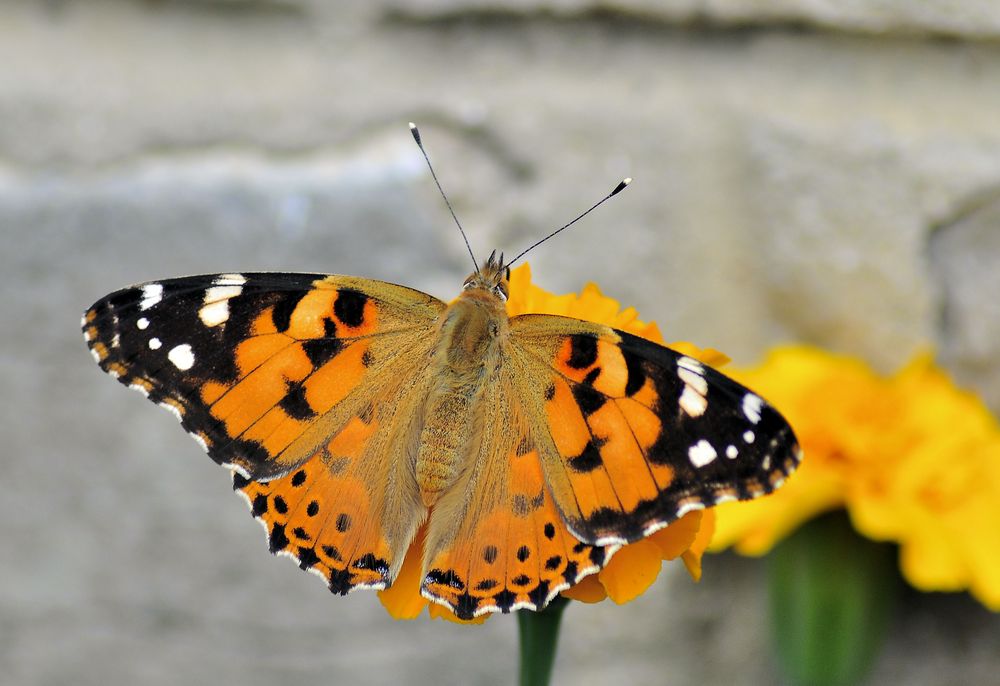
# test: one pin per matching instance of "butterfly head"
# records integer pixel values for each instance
(492, 277)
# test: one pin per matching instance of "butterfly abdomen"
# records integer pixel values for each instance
(468, 348)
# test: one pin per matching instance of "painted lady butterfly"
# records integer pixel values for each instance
(351, 411)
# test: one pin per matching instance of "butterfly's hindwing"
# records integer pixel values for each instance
(497, 542)
(641, 434)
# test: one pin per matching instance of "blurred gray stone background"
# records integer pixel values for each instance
(807, 170)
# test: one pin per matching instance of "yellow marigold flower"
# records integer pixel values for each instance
(914, 459)
(634, 567)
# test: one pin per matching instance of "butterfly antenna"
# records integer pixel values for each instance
(416, 136)
(618, 189)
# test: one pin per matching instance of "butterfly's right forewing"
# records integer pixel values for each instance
(633, 434)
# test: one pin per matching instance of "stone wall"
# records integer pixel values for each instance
(804, 170)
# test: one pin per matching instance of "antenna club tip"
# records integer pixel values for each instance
(415, 131)
(412, 126)
(621, 186)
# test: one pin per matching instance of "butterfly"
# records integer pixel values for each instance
(352, 412)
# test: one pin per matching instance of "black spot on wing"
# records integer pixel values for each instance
(284, 306)
(465, 607)
(349, 307)
(569, 574)
(540, 594)
(259, 505)
(322, 350)
(636, 374)
(341, 581)
(295, 404)
(277, 540)
(343, 522)
(589, 459)
(583, 351)
(505, 600)
(307, 557)
(589, 399)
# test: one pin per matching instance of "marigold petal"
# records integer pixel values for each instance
(692, 556)
(679, 536)
(402, 600)
(631, 571)
(589, 590)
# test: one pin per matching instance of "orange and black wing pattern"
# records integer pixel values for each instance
(253, 365)
(275, 375)
(636, 434)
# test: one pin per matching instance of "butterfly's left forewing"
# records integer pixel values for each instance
(632, 435)
(258, 367)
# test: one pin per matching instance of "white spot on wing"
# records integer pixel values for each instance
(142, 322)
(155, 343)
(214, 313)
(691, 364)
(229, 280)
(748, 436)
(181, 356)
(751, 407)
(694, 380)
(701, 453)
(140, 388)
(692, 402)
(152, 293)
(97, 358)
(217, 293)
(732, 452)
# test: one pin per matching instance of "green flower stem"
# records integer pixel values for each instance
(539, 632)
(832, 596)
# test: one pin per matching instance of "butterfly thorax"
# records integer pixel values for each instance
(471, 334)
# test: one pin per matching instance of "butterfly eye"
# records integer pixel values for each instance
(501, 290)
